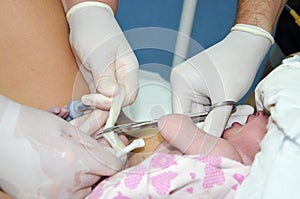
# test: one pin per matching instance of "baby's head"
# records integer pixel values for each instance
(246, 138)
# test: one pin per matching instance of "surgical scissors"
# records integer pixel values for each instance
(134, 127)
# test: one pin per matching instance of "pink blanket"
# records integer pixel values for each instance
(175, 176)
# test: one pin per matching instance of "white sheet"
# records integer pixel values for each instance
(276, 170)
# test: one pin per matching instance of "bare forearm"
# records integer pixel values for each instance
(70, 3)
(261, 13)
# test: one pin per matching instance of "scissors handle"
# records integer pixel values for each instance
(133, 127)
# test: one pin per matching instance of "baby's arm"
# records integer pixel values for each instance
(180, 132)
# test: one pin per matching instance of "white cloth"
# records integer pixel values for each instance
(275, 171)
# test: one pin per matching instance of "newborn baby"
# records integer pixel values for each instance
(239, 142)
(167, 174)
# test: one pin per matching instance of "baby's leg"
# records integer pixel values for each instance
(180, 132)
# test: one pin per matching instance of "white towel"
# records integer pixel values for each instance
(275, 171)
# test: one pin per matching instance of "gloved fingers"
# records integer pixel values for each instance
(201, 105)
(99, 159)
(87, 75)
(240, 115)
(91, 122)
(98, 100)
(127, 73)
(102, 66)
(180, 103)
(87, 181)
(189, 87)
(183, 102)
(243, 110)
(108, 79)
(216, 120)
(105, 163)
(80, 120)
(119, 67)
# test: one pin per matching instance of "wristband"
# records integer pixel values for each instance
(253, 30)
(86, 4)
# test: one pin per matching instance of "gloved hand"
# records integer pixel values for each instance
(44, 156)
(223, 72)
(103, 54)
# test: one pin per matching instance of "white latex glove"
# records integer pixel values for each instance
(240, 115)
(91, 122)
(103, 54)
(223, 72)
(43, 156)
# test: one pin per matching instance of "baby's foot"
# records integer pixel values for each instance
(62, 112)
(180, 131)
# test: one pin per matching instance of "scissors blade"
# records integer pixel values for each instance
(132, 128)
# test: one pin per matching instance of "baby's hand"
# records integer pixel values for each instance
(62, 112)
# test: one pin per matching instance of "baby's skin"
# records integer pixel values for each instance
(239, 142)
(62, 112)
